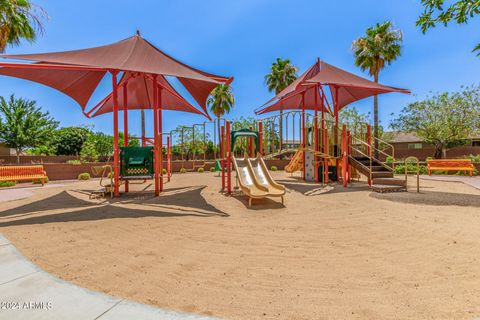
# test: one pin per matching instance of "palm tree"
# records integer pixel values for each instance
(381, 45)
(220, 102)
(19, 19)
(282, 74)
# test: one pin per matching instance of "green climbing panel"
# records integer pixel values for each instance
(136, 162)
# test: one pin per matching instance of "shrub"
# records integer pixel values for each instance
(474, 158)
(183, 170)
(164, 171)
(200, 170)
(389, 160)
(212, 169)
(84, 176)
(400, 169)
(7, 184)
(462, 173)
(273, 168)
(74, 162)
(39, 181)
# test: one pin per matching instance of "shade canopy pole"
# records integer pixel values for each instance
(160, 136)
(155, 135)
(304, 142)
(116, 165)
(125, 124)
(315, 133)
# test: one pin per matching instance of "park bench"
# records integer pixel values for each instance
(450, 164)
(16, 173)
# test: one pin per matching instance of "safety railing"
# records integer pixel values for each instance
(362, 148)
(416, 165)
(387, 150)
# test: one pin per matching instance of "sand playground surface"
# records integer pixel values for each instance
(329, 253)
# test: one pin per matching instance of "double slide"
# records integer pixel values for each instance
(255, 179)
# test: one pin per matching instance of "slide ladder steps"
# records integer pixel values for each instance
(383, 179)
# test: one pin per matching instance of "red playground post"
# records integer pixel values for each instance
(250, 144)
(155, 134)
(125, 123)
(116, 160)
(160, 137)
(260, 137)
(369, 148)
(229, 159)
(222, 155)
(325, 161)
(344, 155)
(349, 151)
(169, 160)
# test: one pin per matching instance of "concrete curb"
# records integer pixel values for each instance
(28, 292)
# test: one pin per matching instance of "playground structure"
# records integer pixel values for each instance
(78, 73)
(327, 149)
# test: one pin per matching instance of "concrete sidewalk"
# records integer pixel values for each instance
(27, 292)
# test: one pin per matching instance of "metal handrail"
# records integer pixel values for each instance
(417, 162)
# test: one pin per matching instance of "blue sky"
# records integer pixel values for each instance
(242, 38)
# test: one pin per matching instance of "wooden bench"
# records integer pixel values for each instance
(450, 164)
(15, 173)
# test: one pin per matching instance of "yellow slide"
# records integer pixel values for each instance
(264, 177)
(296, 163)
(253, 186)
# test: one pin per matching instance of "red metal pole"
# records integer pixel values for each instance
(335, 107)
(315, 133)
(229, 159)
(369, 148)
(250, 144)
(349, 143)
(169, 159)
(116, 158)
(160, 136)
(344, 155)
(325, 162)
(260, 137)
(369, 139)
(125, 124)
(155, 135)
(304, 144)
(222, 155)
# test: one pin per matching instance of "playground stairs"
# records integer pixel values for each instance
(383, 179)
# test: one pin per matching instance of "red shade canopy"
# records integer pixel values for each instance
(78, 72)
(140, 96)
(344, 86)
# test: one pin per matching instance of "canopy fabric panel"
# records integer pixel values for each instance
(294, 101)
(133, 54)
(77, 84)
(140, 96)
(344, 86)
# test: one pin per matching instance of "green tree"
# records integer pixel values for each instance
(460, 11)
(220, 102)
(354, 119)
(19, 19)
(444, 120)
(99, 144)
(381, 45)
(282, 74)
(69, 141)
(23, 125)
